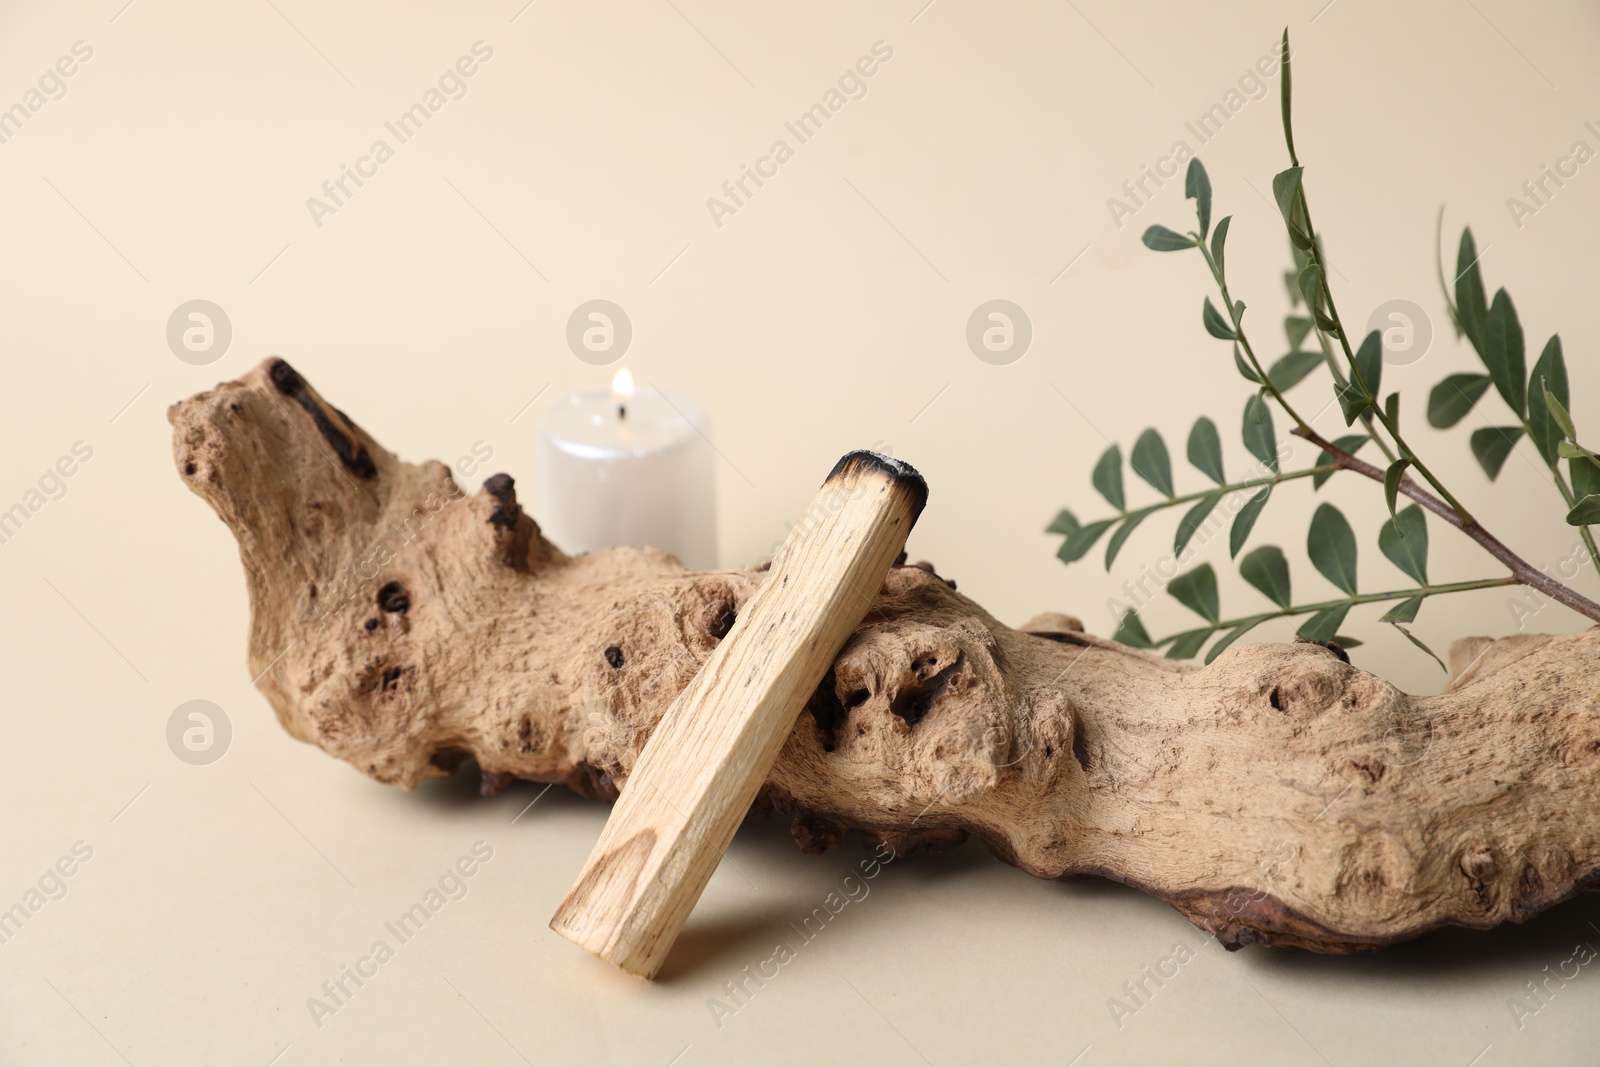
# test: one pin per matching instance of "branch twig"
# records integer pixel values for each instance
(1520, 568)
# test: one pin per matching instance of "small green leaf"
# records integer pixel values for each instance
(1404, 539)
(1122, 534)
(1245, 521)
(1288, 371)
(1391, 409)
(1471, 307)
(1503, 354)
(1130, 631)
(1197, 591)
(1219, 241)
(1205, 448)
(1215, 324)
(1186, 644)
(1415, 641)
(1258, 433)
(1452, 398)
(1325, 323)
(1349, 444)
(1150, 461)
(1234, 634)
(1369, 361)
(1107, 477)
(1491, 445)
(1300, 257)
(1286, 191)
(1197, 187)
(1283, 96)
(1391, 481)
(1585, 477)
(1549, 378)
(1405, 611)
(1344, 641)
(1331, 544)
(1064, 523)
(1161, 239)
(1353, 401)
(1585, 512)
(1296, 327)
(1324, 624)
(1081, 540)
(1191, 522)
(1244, 368)
(1572, 450)
(1309, 282)
(1268, 570)
(1558, 412)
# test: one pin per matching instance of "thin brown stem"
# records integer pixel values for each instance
(1520, 568)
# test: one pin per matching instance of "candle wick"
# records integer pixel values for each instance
(622, 411)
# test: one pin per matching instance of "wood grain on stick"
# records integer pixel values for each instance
(701, 768)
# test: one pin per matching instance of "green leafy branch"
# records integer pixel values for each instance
(1357, 380)
(1494, 331)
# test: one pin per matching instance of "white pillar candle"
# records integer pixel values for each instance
(628, 467)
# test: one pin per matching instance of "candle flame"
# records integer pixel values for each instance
(622, 385)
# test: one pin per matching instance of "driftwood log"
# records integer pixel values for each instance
(1278, 796)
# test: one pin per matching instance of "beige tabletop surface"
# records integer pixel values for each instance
(182, 913)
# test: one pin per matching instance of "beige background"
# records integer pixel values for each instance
(827, 314)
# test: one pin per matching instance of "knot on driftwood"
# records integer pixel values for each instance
(929, 703)
(513, 536)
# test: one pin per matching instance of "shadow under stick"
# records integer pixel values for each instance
(706, 760)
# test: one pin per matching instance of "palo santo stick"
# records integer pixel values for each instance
(706, 760)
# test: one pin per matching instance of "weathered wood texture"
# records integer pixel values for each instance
(1278, 795)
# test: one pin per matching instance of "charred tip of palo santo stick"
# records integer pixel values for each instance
(863, 461)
